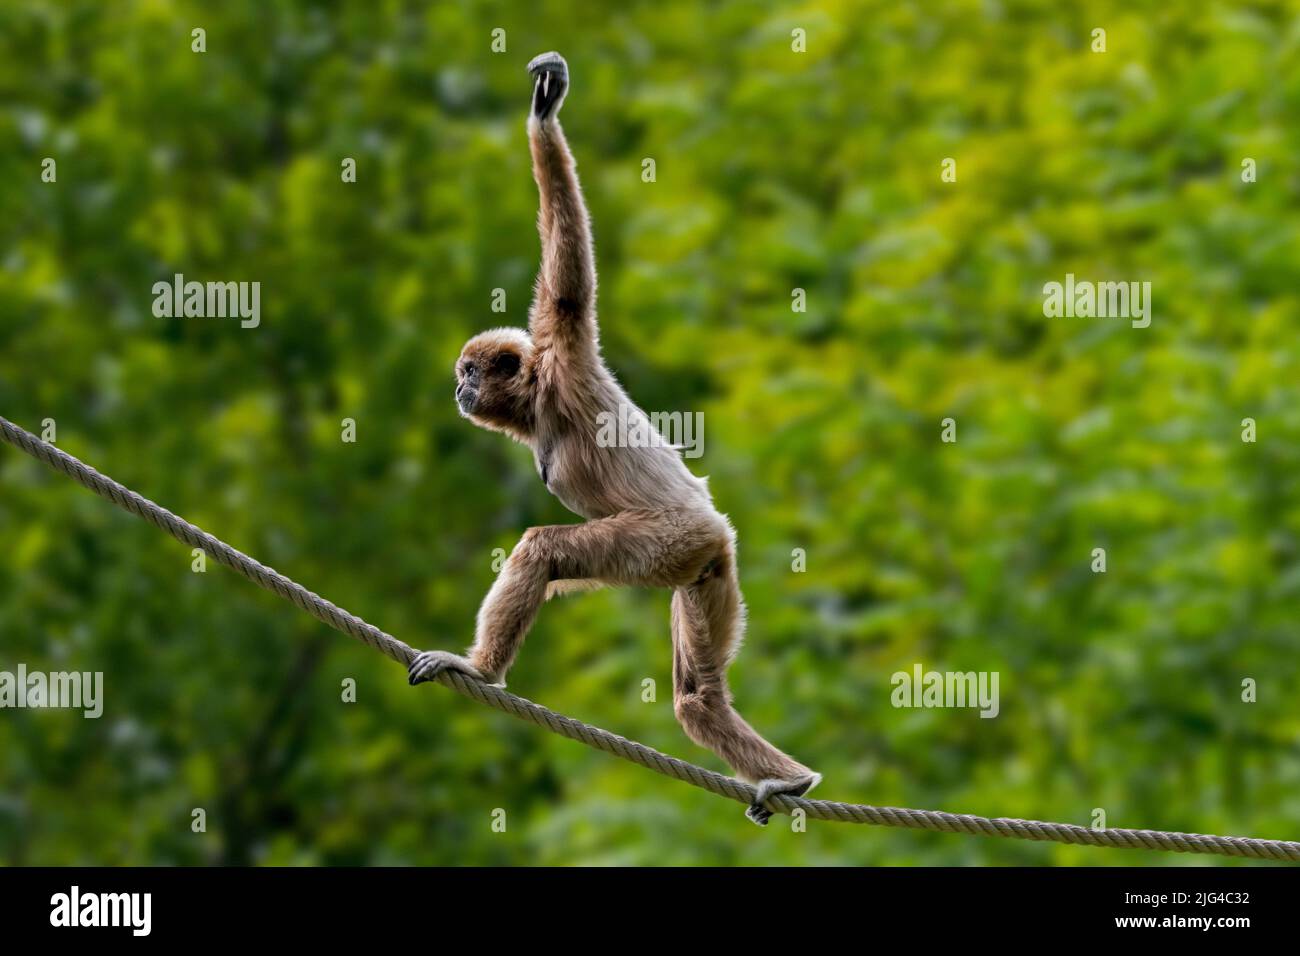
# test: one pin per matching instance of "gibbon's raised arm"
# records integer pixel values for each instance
(563, 311)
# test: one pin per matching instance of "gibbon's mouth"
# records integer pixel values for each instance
(466, 399)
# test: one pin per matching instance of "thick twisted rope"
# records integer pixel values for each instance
(600, 739)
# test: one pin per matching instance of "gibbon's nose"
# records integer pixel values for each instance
(465, 398)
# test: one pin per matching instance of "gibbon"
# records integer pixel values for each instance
(650, 522)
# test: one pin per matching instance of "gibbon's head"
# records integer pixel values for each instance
(493, 376)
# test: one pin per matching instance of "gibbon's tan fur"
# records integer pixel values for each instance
(650, 522)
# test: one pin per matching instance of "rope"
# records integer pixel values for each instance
(599, 739)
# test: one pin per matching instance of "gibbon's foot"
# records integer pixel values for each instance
(771, 788)
(551, 83)
(429, 664)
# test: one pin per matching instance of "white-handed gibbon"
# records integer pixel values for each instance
(650, 522)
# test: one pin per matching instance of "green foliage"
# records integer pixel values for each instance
(775, 170)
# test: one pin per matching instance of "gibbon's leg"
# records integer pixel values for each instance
(649, 548)
(708, 619)
(572, 586)
(566, 285)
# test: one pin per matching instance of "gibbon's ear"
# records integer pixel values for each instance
(507, 363)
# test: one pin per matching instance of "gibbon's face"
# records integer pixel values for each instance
(492, 377)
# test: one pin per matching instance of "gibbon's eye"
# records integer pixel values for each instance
(507, 363)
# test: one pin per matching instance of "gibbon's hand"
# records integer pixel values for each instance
(550, 85)
(429, 664)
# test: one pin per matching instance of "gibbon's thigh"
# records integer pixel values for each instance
(707, 623)
(645, 548)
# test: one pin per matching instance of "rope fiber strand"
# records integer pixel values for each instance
(599, 739)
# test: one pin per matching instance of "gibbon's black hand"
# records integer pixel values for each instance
(550, 85)
(429, 664)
